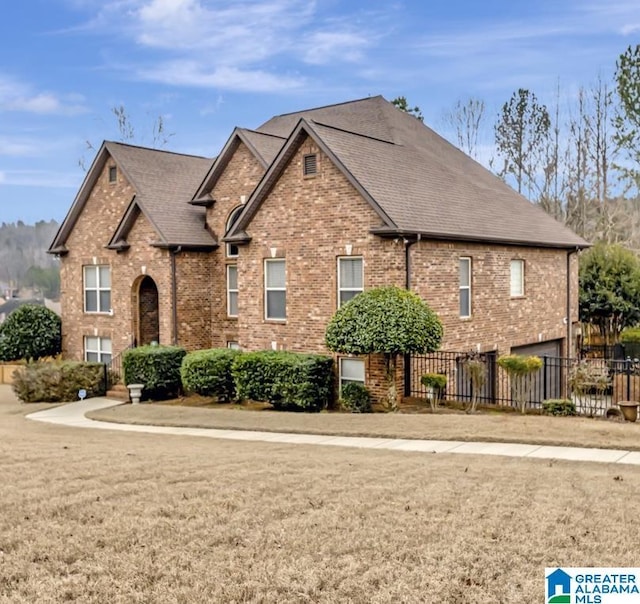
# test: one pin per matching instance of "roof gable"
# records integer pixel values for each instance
(163, 183)
(264, 147)
(302, 130)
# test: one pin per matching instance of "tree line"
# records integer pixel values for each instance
(579, 159)
(23, 258)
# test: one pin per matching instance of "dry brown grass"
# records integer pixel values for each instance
(486, 426)
(95, 516)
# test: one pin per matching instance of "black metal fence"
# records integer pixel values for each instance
(593, 384)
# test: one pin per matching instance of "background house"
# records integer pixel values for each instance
(259, 247)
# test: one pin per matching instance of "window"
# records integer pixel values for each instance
(465, 287)
(351, 371)
(97, 289)
(232, 290)
(310, 164)
(231, 344)
(275, 289)
(97, 350)
(232, 250)
(517, 278)
(113, 174)
(350, 279)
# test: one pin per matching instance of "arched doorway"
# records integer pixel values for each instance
(146, 313)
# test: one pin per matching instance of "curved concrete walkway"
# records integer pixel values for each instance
(73, 414)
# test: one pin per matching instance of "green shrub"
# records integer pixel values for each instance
(57, 382)
(288, 380)
(520, 369)
(434, 380)
(630, 335)
(157, 367)
(30, 332)
(208, 373)
(559, 406)
(355, 398)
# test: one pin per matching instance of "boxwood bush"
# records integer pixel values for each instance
(355, 398)
(157, 367)
(57, 382)
(208, 373)
(289, 381)
(559, 406)
(30, 332)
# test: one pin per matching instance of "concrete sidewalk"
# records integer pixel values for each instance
(73, 414)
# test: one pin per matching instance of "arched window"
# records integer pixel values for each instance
(232, 250)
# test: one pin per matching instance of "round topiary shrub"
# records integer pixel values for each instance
(30, 332)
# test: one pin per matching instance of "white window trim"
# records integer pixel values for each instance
(465, 287)
(340, 378)
(268, 261)
(348, 289)
(97, 289)
(521, 264)
(232, 291)
(233, 345)
(99, 351)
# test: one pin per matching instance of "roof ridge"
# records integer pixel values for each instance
(282, 138)
(373, 138)
(166, 151)
(367, 98)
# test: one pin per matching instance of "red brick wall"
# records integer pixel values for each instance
(240, 177)
(92, 232)
(497, 320)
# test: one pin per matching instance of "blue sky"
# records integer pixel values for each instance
(206, 66)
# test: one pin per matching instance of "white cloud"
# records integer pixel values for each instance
(226, 45)
(191, 73)
(39, 178)
(325, 47)
(19, 97)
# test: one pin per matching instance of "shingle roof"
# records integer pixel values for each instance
(416, 180)
(164, 182)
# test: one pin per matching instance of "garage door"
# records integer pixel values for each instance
(548, 381)
(540, 349)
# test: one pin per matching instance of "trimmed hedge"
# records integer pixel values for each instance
(157, 367)
(559, 406)
(288, 380)
(58, 382)
(355, 398)
(208, 373)
(30, 332)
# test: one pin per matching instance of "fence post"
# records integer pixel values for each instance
(407, 375)
(105, 377)
(544, 378)
(627, 368)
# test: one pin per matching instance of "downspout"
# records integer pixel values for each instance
(407, 286)
(174, 293)
(569, 304)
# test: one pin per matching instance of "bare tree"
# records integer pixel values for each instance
(466, 118)
(521, 133)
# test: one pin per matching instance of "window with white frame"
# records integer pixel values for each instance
(233, 345)
(517, 278)
(232, 249)
(350, 278)
(275, 289)
(97, 350)
(351, 371)
(97, 289)
(465, 286)
(232, 290)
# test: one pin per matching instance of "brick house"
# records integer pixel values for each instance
(259, 247)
